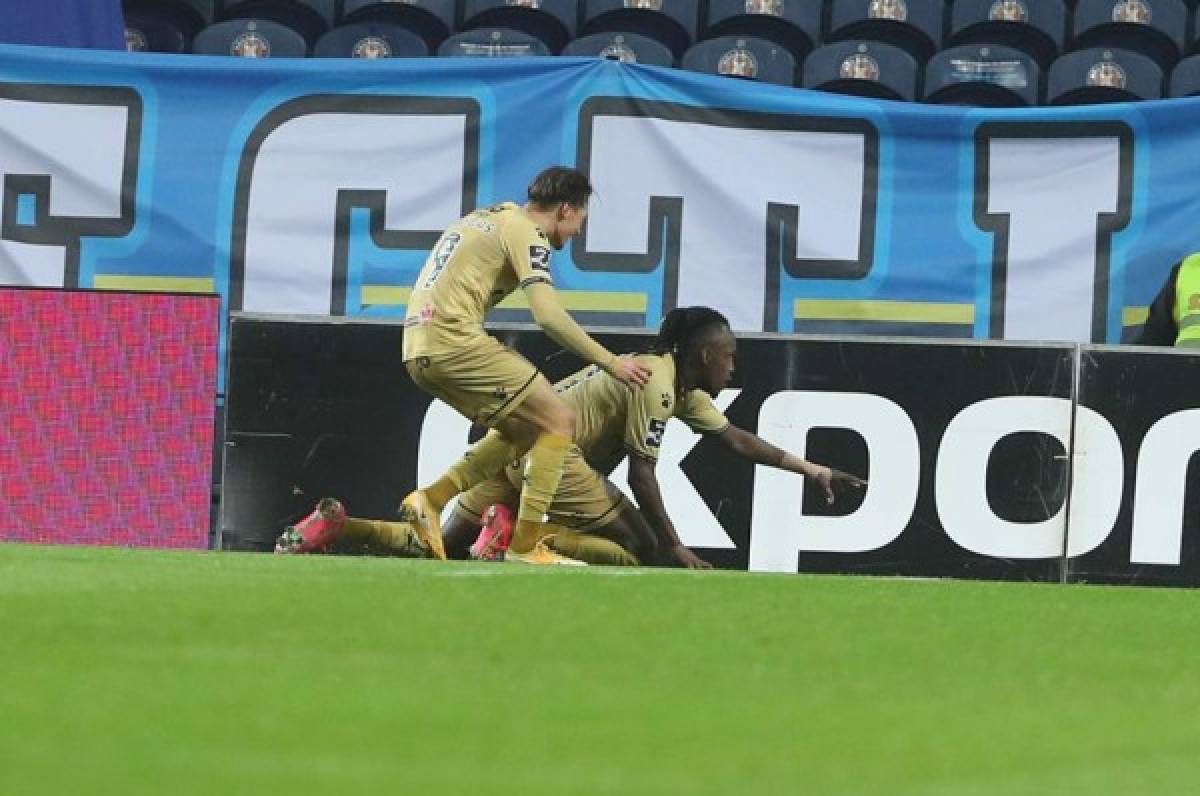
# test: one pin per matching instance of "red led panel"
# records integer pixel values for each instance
(106, 417)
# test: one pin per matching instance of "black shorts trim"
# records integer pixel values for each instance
(600, 522)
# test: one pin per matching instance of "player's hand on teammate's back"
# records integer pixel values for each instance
(689, 559)
(629, 371)
(831, 480)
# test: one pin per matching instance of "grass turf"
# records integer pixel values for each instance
(131, 672)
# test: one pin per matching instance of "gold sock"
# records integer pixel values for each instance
(485, 459)
(592, 549)
(543, 471)
(442, 491)
(397, 536)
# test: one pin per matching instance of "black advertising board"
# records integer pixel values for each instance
(964, 445)
(1145, 528)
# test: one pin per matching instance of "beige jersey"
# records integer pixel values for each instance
(479, 260)
(614, 420)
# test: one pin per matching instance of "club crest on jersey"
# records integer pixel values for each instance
(539, 258)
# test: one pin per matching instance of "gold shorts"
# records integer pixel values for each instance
(585, 501)
(484, 381)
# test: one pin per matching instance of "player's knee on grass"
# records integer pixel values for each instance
(632, 532)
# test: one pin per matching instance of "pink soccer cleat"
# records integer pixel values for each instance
(315, 532)
(495, 535)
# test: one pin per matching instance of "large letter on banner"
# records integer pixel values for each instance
(780, 531)
(411, 161)
(720, 198)
(1053, 193)
(68, 169)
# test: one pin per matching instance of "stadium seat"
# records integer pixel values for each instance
(149, 28)
(990, 76)
(250, 38)
(303, 19)
(1154, 28)
(672, 22)
(552, 21)
(914, 26)
(862, 68)
(492, 43)
(162, 26)
(746, 57)
(1194, 39)
(1103, 75)
(432, 20)
(152, 33)
(1185, 77)
(370, 40)
(625, 47)
(1036, 27)
(793, 25)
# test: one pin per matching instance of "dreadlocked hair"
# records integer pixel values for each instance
(685, 329)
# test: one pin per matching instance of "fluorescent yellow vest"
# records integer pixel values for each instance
(1187, 302)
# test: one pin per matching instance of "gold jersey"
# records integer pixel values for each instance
(613, 420)
(479, 260)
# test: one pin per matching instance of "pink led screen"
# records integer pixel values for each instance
(106, 417)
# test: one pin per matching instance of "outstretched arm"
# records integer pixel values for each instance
(562, 329)
(758, 450)
(644, 484)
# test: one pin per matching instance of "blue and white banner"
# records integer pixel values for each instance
(317, 186)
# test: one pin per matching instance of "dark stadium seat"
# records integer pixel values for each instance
(432, 20)
(986, 75)
(1154, 28)
(370, 40)
(1036, 27)
(1185, 77)
(1102, 75)
(152, 33)
(492, 43)
(302, 18)
(793, 25)
(746, 57)
(912, 25)
(626, 47)
(862, 68)
(250, 38)
(162, 26)
(552, 21)
(672, 22)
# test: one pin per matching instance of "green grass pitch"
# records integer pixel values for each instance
(137, 672)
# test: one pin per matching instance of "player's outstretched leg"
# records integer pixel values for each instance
(317, 531)
(401, 538)
(590, 549)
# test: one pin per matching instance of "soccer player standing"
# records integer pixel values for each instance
(478, 261)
